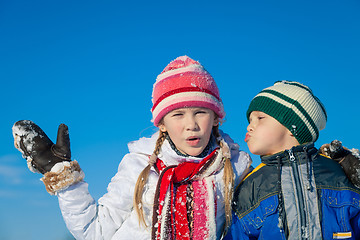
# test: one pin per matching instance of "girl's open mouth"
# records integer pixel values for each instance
(192, 141)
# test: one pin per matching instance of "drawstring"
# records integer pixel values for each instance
(308, 169)
(280, 197)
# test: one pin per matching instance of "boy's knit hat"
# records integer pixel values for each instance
(184, 83)
(295, 106)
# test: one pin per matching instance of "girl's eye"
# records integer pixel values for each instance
(261, 117)
(201, 111)
(177, 114)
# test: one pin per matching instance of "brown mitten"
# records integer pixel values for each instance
(37, 148)
(348, 159)
(43, 156)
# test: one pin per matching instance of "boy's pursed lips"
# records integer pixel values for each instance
(247, 137)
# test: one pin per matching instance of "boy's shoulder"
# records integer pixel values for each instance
(329, 174)
(258, 185)
(262, 177)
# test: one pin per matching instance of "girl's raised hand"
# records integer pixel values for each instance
(39, 151)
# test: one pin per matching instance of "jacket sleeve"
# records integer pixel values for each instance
(355, 224)
(241, 166)
(236, 230)
(87, 219)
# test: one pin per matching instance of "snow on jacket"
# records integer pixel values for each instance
(113, 216)
(299, 194)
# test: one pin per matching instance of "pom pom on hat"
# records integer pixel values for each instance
(180, 62)
(184, 83)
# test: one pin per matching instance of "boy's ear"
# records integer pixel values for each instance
(292, 135)
(289, 132)
(293, 138)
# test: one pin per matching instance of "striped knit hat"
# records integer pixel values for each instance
(184, 83)
(295, 106)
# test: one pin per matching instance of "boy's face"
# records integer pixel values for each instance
(266, 136)
(189, 128)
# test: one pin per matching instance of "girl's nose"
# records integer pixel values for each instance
(191, 124)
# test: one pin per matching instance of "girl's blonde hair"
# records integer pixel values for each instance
(144, 175)
(228, 177)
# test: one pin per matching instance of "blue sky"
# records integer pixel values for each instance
(92, 64)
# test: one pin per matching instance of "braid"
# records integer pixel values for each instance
(143, 177)
(228, 175)
(159, 142)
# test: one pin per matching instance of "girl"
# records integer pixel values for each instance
(176, 184)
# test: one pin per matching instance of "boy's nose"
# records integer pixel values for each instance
(249, 128)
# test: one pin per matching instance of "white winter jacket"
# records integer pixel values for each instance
(113, 217)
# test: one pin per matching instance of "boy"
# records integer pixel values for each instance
(295, 193)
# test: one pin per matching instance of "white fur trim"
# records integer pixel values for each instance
(61, 176)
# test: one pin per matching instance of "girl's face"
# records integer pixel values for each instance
(266, 136)
(189, 128)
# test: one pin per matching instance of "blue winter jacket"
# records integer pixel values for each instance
(296, 194)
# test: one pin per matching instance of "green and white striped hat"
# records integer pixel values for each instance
(295, 106)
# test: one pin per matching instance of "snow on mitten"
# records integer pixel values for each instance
(348, 159)
(39, 151)
(45, 157)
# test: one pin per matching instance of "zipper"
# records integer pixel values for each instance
(299, 194)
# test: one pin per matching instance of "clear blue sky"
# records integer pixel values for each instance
(92, 64)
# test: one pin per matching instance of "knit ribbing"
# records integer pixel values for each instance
(294, 106)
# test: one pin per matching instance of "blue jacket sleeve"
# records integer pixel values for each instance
(236, 230)
(355, 224)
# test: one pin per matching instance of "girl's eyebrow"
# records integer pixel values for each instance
(200, 109)
(177, 111)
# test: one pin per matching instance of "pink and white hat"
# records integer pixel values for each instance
(184, 83)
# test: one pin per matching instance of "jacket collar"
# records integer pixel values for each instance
(204, 153)
(170, 157)
(146, 146)
(302, 154)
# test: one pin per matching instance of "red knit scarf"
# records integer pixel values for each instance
(185, 201)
